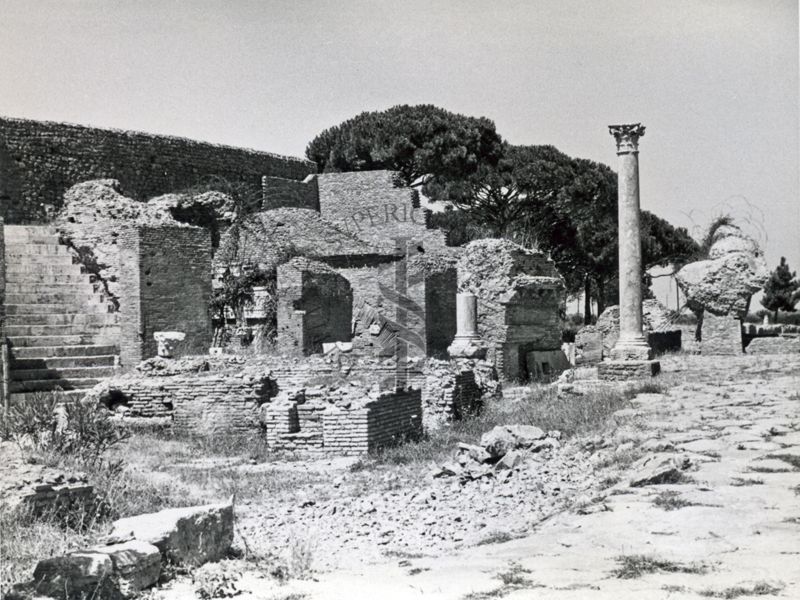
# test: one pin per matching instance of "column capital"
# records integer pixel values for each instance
(627, 136)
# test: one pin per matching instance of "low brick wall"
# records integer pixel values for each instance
(623, 370)
(391, 419)
(198, 404)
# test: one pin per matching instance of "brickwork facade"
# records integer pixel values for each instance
(165, 285)
(39, 160)
(281, 192)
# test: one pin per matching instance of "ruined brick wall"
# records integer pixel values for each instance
(315, 306)
(429, 305)
(371, 205)
(165, 285)
(218, 403)
(39, 160)
(281, 192)
(391, 419)
(447, 396)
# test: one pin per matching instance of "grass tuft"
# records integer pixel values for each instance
(671, 500)
(633, 566)
(761, 588)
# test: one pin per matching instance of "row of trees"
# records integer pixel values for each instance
(535, 195)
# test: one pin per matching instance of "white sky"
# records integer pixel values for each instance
(715, 82)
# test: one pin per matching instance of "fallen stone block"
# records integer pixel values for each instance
(526, 436)
(658, 468)
(185, 536)
(476, 453)
(498, 441)
(87, 574)
(509, 461)
(136, 564)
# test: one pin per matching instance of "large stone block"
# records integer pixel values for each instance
(774, 345)
(79, 575)
(185, 536)
(721, 336)
(136, 565)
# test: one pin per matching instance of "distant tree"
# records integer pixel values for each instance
(780, 292)
(423, 143)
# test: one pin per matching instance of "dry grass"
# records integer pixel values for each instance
(542, 407)
(671, 500)
(761, 588)
(634, 566)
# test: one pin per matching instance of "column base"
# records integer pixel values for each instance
(622, 370)
(466, 347)
(631, 350)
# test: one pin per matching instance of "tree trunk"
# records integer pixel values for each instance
(587, 301)
(776, 315)
(601, 296)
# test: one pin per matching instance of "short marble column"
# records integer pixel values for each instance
(631, 346)
(467, 343)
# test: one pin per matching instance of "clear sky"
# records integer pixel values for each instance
(714, 81)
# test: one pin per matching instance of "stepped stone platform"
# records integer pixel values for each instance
(60, 331)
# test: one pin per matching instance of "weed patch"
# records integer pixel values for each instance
(759, 589)
(671, 500)
(634, 566)
(745, 481)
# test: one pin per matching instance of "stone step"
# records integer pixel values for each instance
(80, 319)
(18, 268)
(53, 309)
(13, 331)
(75, 300)
(61, 373)
(39, 238)
(63, 362)
(23, 250)
(66, 351)
(52, 278)
(82, 287)
(22, 231)
(39, 259)
(86, 339)
(45, 385)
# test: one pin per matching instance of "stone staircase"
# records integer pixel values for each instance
(60, 331)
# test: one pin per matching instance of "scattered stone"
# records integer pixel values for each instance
(657, 469)
(498, 441)
(136, 564)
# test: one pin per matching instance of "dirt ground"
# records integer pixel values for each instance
(730, 528)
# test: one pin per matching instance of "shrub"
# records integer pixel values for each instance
(48, 423)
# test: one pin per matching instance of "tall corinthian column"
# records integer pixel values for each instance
(631, 344)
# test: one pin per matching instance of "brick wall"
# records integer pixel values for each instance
(280, 192)
(219, 403)
(39, 160)
(165, 285)
(372, 206)
(391, 419)
(315, 306)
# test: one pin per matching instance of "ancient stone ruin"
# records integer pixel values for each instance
(719, 289)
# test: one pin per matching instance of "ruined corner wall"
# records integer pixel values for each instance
(165, 285)
(315, 306)
(39, 160)
(389, 420)
(277, 192)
